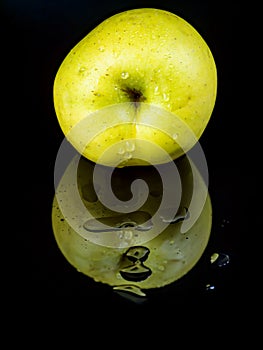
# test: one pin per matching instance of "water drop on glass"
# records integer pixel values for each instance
(220, 259)
(209, 287)
(161, 268)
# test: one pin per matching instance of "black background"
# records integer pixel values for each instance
(40, 35)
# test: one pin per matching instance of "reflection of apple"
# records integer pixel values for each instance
(137, 60)
(155, 263)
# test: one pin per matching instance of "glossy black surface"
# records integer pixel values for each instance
(43, 32)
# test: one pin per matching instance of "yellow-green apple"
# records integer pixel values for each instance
(142, 74)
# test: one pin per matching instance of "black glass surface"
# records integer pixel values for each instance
(42, 33)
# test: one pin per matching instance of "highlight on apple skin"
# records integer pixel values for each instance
(142, 75)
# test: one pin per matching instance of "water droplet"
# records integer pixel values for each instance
(130, 146)
(224, 222)
(128, 234)
(161, 268)
(156, 90)
(125, 75)
(121, 151)
(165, 97)
(209, 287)
(175, 136)
(220, 259)
(102, 48)
(127, 155)
(82, 69)
(182, 214)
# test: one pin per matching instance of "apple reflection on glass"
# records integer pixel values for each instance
(131, 206)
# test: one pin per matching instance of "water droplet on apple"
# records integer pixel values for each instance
(156, 90)
(209, 287)
(127, 155)
(128, 234)
(220, 259)
(130, 146)
(175, 136)
(82, 69)
(124, 75)
(102, 48)
(165, 97)
(161, 268)
(121, 151)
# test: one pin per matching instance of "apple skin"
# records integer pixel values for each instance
(137, 59)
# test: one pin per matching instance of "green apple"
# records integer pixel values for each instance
(142, 74)
(78, 225)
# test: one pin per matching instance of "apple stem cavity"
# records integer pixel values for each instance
(134, 95)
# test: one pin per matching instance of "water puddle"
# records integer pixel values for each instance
(136, 271)
(138, 221)
(182, 214)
